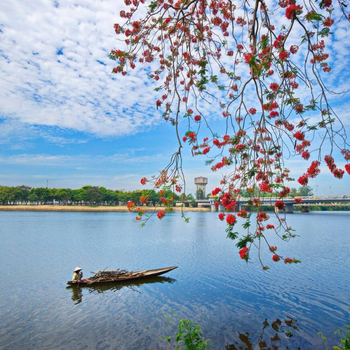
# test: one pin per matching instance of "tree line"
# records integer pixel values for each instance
(95, 195)
(87, 195)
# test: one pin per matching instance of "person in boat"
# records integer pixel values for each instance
(78, 275)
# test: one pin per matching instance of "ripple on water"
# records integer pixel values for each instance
(235, 303)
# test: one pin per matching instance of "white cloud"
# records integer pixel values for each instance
(56, 71)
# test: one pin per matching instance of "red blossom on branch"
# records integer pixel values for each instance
(276, 258)
(293, 10)
(161, 214)
(222, 216)
(230, 219)
(244, 253)
(280, 205)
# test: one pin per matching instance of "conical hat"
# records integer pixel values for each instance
(77, 269)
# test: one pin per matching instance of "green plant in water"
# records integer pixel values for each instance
(189, 336)
(344, 334)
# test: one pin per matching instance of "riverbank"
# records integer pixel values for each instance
(72, 208)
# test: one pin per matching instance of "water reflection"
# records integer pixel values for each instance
(270, 338)
(77, 290)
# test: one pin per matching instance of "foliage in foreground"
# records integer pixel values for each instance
(344, 335)
(189, 336)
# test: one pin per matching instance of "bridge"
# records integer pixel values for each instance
(270, 201)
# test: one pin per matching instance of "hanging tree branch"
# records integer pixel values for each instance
(260, 68)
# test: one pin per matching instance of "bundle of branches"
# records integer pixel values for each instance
(105, 274)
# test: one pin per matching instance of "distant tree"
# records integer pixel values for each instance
(93, 195)
(79, 195)
(199, 194)
(42, 193)
(305, 191)
(293, 192)
(32, 197)
(190, 197)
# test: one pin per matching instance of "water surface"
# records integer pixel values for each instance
(238, 305)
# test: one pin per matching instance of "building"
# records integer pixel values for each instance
(201, 182)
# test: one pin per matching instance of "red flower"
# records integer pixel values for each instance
(161, 214)
(347, 168)
(143, 181)
(230, 53)
(274, 86)
(284, 192)
(248, 58)
(197, 118)
(222, 216)
(303, 180)
(262, 216)
(280, 205)
(206, 150)
(293, 10)
(244, 253)
(143, 199)
(273, 249)
(270, 227)
(313, 170)
(283, 55)
(276, 258)
(306, 155)
(265, 187)
(274, 114)
(252, 111)
(294, 49)
(298, 200)
(299, 108)
(130, 205)
(216, 191)
(231, 219)
(328, 22)
(299, 135)
(243, 213)
(338, 173)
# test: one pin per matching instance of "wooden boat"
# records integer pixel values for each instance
(121, 276)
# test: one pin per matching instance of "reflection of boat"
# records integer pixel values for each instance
(99, 288)
(111, 277)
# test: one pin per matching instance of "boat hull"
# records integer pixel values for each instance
(127, 276)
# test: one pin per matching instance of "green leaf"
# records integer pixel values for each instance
(232, 235)
(325, 32)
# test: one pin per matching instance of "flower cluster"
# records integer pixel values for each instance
(244, 253)
(293, 10)
(161, 214)
(280, 205)
(230, 219)
(338, 173)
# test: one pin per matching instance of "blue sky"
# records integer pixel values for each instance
(65, 119)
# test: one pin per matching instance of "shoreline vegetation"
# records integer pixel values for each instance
(84, 208)
(124, 208)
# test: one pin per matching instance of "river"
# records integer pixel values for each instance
(238, 305)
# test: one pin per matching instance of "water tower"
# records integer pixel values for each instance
(201, 182)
